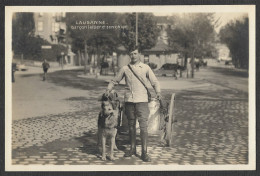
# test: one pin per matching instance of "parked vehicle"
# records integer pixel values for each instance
(200, 62)
(152, 65)
(228, 62)
(169, 70)
(21, 67)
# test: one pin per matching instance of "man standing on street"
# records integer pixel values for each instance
(45, 66)
(13, 70)
(137, 75)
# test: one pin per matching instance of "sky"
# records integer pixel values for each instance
(224, 18)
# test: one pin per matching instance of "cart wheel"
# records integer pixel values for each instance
(169, 125)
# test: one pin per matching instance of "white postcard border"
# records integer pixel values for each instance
(250, 9)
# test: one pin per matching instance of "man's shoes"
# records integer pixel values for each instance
(130, 153)
(145, 157)
(144, 140)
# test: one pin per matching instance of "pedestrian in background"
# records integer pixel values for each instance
(175, 70)
(197, 64)
(13, 70)
(137, 75)
(45, 66)
(188, 67)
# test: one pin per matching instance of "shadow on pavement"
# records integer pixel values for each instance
(68, 78)
(230, 72)
(89, 141)
(31, 75)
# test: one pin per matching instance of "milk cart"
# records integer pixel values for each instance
(160, 120)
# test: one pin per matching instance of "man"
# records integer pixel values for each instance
(136, 99)
(13, 70)
(45, 66)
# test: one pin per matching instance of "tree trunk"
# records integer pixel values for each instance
(185, 60)
(98, 57)
(85, 58)
(79, 57)
(98, 60)
(181, 67)
(22, 59)
(62, 61)
(192, 64)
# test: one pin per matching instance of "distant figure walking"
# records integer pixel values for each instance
(45, 66)
(175, 70)
(13, 70)
(188, 68)
(197, 66)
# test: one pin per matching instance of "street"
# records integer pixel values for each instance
(55, 121)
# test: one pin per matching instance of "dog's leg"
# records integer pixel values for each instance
(103, 147)
(98, 137)
(114, 138)
(112, 144)
(99, 140)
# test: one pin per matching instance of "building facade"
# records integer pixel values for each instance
(49, 25)
(52, 28)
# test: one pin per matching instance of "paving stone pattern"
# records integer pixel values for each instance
(209, 130)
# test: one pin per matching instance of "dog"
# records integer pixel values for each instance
(108, 122)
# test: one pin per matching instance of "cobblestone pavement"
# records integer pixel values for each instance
(215, 133)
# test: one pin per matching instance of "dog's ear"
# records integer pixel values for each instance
(103, 97)
(115, 96)
(100, 98)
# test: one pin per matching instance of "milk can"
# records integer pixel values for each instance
(153, 118)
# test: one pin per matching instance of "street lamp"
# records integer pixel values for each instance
(136, 29)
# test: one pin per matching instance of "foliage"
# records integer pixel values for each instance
(147, 31)
(53, 54)
(22, 32)
(193, 35)
(97, 40)
(93, 41)
(32, 48)
(108, 40)
(24, 42)
(236, 36)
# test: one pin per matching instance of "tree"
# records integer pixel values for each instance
(147, 31)
(192, 35)
(89, 36)
(236, 36)
(22, 33)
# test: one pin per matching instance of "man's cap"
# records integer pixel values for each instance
(135, 48)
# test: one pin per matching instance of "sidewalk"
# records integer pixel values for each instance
(39, 70)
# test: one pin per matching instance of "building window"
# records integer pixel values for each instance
(40, 26)
(55, 27)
